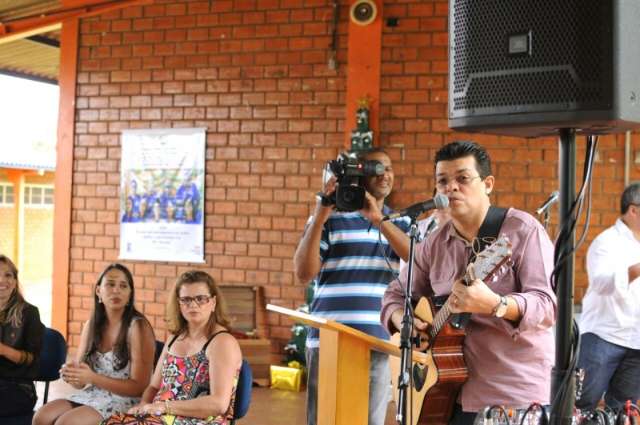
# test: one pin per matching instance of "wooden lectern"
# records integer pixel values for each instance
(343, 378)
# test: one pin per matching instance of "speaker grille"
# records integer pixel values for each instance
(569, 65)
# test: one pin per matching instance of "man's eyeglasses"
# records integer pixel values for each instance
(198, 299)
(461, 180)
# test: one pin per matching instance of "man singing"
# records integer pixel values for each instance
(509, 347)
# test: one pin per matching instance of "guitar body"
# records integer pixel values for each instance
(436, 384)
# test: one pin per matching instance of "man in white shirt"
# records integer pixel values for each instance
(610, 322)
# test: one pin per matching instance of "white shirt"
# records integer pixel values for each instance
(611, 307)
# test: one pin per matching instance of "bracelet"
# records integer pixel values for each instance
(167, 408)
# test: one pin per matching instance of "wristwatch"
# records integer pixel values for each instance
(501, 308)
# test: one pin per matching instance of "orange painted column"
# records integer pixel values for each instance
(16, 177)
(363, 71)
(64, 175)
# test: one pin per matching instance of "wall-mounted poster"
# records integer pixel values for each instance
(162, 195)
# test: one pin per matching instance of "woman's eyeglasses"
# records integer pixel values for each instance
(198, 299)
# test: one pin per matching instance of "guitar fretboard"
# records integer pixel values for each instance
(439, 320)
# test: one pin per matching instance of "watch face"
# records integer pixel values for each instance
(502, 308)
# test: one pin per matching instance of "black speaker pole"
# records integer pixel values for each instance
(563, 414)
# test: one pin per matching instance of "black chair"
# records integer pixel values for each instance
(53, 354)
(159, 347)
(52, 357)
(243, 392)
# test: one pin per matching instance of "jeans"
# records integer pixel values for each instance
(458, 417)
(379, 387)
(611, 370)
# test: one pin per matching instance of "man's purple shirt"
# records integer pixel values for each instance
(509, 363)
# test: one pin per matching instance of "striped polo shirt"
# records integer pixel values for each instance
(354, 273)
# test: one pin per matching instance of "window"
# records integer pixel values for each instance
(6, 194)
(37, 195)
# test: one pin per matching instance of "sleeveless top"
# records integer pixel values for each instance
(105, 402)
(186, 378)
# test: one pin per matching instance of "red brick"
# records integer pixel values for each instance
(255, 74)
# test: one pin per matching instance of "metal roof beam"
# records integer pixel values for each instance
(26, 76)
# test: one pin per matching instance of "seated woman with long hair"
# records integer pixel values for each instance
(20, 343)
(195, 380)
(114, 360)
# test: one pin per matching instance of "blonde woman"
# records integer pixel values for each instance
(20, 342)
(114, 360)
(195, 380)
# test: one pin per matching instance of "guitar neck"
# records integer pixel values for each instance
(443, 315)
(440, 319)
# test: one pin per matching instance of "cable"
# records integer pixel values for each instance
(544, 419)
(488, 414)
(564, 250)
(560, 397)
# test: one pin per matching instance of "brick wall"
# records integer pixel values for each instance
(255, 74)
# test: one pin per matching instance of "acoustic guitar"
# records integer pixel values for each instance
(435, 384)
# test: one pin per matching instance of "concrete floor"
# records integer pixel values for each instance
(268, 407)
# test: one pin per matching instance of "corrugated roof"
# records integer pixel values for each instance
(30, 156)
(14, 9)
(33, 57)
(36, 57)
(27, 165)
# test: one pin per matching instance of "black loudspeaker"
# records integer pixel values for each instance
(529, 67)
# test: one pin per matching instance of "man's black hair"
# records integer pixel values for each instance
(462, 149)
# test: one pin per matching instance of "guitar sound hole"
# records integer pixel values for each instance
(419, 376)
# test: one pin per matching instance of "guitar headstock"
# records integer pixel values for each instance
(488, 262)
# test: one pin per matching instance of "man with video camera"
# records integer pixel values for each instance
(352, 256)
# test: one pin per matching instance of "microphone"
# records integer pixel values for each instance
(552, 199)
(439, 201)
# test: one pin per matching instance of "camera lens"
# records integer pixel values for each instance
(349, 196)
(373, 168)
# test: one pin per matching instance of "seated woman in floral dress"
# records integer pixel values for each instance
(114, 360)
(195, 380)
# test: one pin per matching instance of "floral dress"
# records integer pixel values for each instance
(183, 378)
(105, 402)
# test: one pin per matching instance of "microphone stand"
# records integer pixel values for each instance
(406, 341)
(545, 219)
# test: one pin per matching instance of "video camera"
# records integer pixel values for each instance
(348, 170)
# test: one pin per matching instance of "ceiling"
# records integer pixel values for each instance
(36, 57)
(14, 9)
